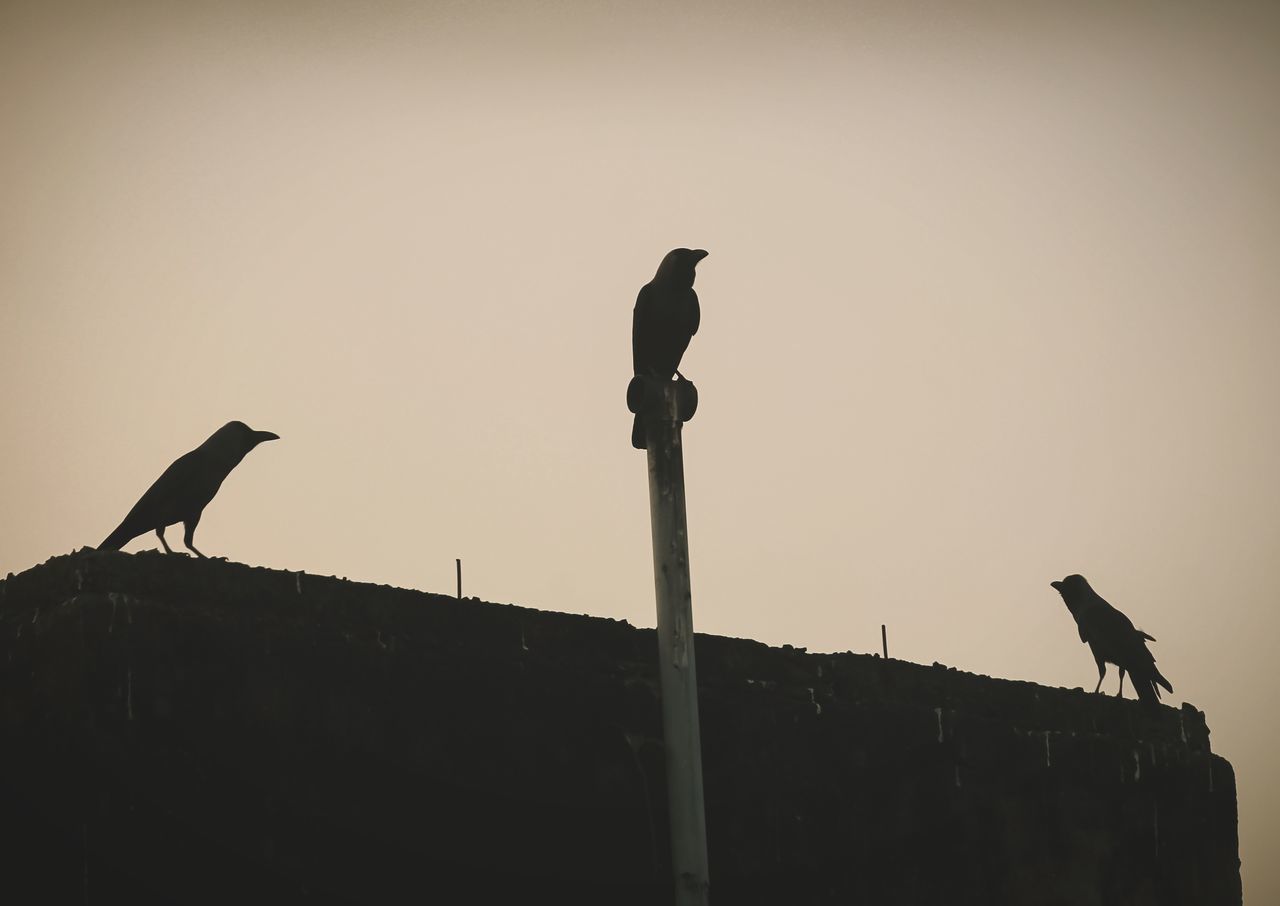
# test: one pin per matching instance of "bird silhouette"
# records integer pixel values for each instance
(666, 317)
(1112, 638)
(186, 487)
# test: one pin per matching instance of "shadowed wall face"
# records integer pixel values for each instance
(990, 300)
(253, 729)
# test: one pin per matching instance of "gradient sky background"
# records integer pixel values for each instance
(992, 298)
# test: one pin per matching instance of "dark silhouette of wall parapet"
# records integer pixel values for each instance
(175, 730)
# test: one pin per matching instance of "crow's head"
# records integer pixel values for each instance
(237, 437)
(1072, 588)
(246, 435)
(678, 266)
(1073, 581)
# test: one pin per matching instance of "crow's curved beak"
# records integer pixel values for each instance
(699, 254)
(1056, 586)
(260, 436)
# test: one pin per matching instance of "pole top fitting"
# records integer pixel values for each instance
(648, 396)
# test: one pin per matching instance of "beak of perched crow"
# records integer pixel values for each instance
(260, 436)
(1057, 586)
(699, 254)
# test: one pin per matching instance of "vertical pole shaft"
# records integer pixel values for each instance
(884, 641)
(458, 561)
(676, 666)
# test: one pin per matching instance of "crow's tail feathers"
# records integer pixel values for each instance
(1146, 686)
(118, 539)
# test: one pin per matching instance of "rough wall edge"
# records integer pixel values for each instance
(215, 588)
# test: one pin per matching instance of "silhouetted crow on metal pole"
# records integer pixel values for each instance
(666, 318)
(186, 487)
(1112, 638)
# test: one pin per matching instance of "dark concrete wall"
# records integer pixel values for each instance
(175, 730)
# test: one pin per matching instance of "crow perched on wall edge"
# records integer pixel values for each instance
(186, 487)
(1112, 638)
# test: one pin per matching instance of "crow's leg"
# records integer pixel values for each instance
(1102, 671)
(1120, 691)
(189, 536)
(160, 535)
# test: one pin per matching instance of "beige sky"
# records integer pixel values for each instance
(992, 298)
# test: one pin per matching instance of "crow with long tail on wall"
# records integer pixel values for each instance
(182, 492)
(1112, 638)
(666, 317)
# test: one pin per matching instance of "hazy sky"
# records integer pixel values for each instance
(992, 298)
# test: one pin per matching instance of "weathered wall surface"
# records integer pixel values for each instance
(174, 730)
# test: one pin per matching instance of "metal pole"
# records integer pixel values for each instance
(458, 561)
(676, 666)
(884, 641)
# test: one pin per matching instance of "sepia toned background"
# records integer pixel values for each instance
(992, 297)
